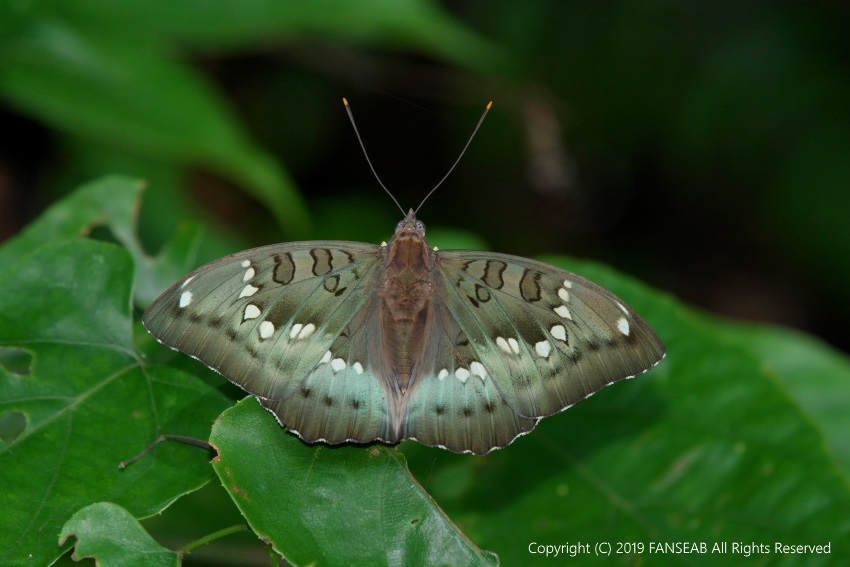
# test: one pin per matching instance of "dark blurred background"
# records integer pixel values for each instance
(702, 147)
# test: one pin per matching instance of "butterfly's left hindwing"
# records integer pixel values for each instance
(281, 321)
(342, 398)
(454, 404)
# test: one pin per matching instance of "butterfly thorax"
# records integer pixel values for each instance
(406, 302)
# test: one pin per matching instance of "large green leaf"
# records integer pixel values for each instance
(111, 535)
(85, 401)
(324, 506)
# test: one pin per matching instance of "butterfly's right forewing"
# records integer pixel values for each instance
(287, 323)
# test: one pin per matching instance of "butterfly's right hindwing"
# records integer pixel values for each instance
(278, 321)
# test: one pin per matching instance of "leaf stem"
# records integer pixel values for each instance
(186, 549)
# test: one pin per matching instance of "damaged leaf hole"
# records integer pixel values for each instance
(16, 360)
(103, 233)
(12, 424)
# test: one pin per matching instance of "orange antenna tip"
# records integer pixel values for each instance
(345, 101)
(489, 104)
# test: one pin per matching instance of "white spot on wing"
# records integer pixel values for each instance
(462, 374)
(623, 325)
(338, 364)
(564, 294)
(251, 311)
(503, 344)
(568, 284)
(478, 369)
(296, 328)
(248, 291)
(443, 373)
(246, 263)
(383, 244)
(622, 307)
(562, 311)
(357, 367)
(326, 358)
(436, 249)
(543, 348)
(185, 298)
(559, 332)
(266, 329)
(514, 345)
(308, 330)
(249, 273)
(190, 278)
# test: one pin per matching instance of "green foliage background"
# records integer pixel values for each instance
(701, 148)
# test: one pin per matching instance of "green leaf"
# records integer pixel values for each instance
(87, 400)
(110, 535)
(816, 376)
(321, 505)
(111, 202)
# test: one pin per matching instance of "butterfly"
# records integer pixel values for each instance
(355, 342)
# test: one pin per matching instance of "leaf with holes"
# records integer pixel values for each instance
(75, 400)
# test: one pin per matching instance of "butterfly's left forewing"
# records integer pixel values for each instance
(287, 323)
(547, 338)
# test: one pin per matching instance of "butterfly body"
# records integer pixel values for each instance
(347, 341)
(405, 300)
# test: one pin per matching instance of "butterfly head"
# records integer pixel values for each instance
(410, 227)
(409, 249)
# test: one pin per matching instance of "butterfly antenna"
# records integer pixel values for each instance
(463, 151)
(363, 147)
